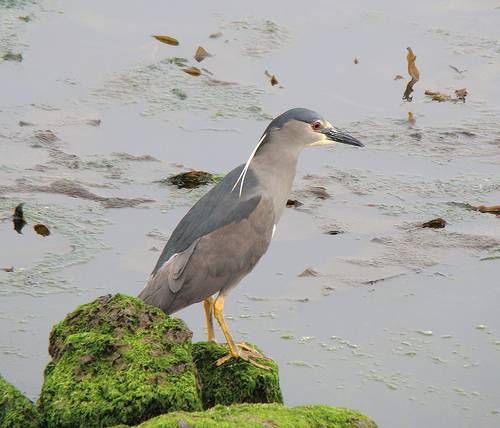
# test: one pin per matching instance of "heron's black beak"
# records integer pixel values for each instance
(341, 137)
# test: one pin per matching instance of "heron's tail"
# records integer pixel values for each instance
(155, 294)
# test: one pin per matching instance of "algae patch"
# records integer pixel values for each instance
(163, 86)
(16, 411)
(236, 381)
(79, 227)
(266, 415)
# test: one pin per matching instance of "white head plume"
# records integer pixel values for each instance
(245, 169)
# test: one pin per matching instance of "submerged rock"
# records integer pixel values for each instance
(236, 381)
(117, 361)
(265, 415)
(16, 411)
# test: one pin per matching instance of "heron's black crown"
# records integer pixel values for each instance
(301, 114)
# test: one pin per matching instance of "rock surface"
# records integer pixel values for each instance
(263, 415)
(235, 381)
(117, 361)
(16, 411)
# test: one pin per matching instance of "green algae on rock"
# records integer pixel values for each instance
(117, 361)
(236, 381)
(267, 415)
(16, 411)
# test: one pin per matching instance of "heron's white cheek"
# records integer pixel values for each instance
(322, 141)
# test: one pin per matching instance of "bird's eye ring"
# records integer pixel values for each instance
(316, 125)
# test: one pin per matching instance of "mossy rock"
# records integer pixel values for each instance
(16, 411)
(117, 361)
(236, 381)
(263, 415)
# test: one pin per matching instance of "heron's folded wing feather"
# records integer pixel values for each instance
(216, 209)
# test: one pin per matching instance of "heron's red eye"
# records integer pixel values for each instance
(316, 125)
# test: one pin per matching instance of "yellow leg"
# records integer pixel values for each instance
(208, 305)
(218, 308)
(235, 351)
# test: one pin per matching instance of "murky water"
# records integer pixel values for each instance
(400, 322)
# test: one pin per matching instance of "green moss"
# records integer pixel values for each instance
(117, 361)
(236, 381)
(267, 415)
(16, 411)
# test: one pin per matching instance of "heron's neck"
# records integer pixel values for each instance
(275, 171)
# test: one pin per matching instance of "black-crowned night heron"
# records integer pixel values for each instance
(227, 231)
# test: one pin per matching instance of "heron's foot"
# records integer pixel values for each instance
(246, 353)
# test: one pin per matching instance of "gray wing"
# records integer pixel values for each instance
(213, 262)
(219, 241)
(217, 208)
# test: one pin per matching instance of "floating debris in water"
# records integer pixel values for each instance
(460, 95)
(494, 209)
(412, 67)
(191, 179)
(480, 327)
(414, 74)
(93, 122)
(425, 332)
(398, 77)
(18, 218)
(11, 56)
(437, 223)
(41, 229)
(193, 71)
(293, 203)
(168, 40)
(356, 61)
(272, 77)
(216, 35)
(437, 96)
(308, 272)
(8, 269)
(201, 54)
(25, 18)
(24, 123)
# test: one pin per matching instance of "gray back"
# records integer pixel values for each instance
(217, 208)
